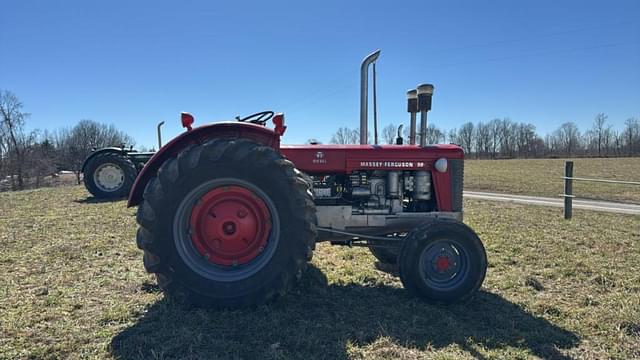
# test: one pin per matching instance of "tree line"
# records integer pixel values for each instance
(27, 158)
(507, 139)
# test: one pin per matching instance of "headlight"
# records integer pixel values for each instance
(441, 165)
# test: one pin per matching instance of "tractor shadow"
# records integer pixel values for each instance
(391, 269)
(96, 200)
(318, 320)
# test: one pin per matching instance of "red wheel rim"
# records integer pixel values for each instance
(230, 225)
(442, 263)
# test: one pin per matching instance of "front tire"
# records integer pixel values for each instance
(442, 260)
(227, 223)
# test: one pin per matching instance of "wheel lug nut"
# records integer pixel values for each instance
(242, 214)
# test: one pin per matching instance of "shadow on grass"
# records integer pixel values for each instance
(97, 200)
(391, 269)
(318, 320)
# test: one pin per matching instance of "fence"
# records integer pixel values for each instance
(568, 187)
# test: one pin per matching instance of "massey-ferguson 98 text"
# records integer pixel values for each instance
(229, 217)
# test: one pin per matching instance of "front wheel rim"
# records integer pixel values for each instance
(444, 264)
(226, 229)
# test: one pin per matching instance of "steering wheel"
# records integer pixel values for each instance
(258, 118)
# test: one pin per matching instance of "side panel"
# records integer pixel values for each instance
(457, 183)
(329, 159)
(237, 130)
(344, 159)
(442, 189)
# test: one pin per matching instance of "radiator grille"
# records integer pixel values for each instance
(457, 179)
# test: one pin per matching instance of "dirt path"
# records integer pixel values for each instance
(595, 205)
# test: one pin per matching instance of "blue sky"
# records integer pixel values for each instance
(134, 63)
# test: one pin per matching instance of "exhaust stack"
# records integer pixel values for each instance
(412, 108)
(364, 95)
(425, 93)
(160, 135)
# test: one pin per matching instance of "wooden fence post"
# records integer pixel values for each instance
(568, 189)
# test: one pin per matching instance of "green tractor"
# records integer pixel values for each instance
(109, 173)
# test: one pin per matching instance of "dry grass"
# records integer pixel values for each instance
(73, 286)
(543, 177)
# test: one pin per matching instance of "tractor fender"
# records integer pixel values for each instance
(230, 129)
(116, 150)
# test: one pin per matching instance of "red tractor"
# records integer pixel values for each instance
(229, 217)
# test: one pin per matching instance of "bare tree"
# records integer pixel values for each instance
(632, 136)
(12, 130)
(41, 158)
(344, 135)
(507, 132)
(599, 130)
(607, 139)
(526, 139)
(466, 136)
(483, 140)
(569, 136)
(453, 137)
(434, 135)
(75, 144)
(494, 129)
(551, 143)
(3, 152)
(537, 147)
(389, 133)
(618, 141)
(505, 138)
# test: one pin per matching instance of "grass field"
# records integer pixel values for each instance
(543, 177)
(73, 286)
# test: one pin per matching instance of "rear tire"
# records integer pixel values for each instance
(196, 209)
(109, 175)
(442, 260)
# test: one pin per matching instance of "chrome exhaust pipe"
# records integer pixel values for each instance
(412, 109)
(160, 135)
(425, 93)
(364, 95)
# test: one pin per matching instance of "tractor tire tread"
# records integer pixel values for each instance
(411, 248)
(157, 254)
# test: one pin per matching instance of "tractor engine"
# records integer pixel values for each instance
(376, 192)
